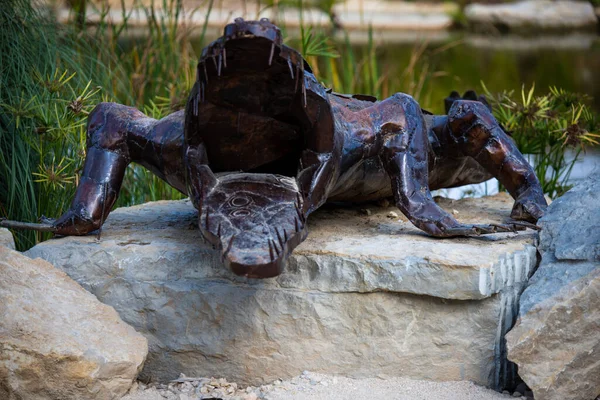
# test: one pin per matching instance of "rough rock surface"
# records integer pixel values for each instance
(534, 14)
(57, 341)
(6, 239)
(556, 342)
(364, 295)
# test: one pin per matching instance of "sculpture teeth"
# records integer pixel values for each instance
(303, 83)
(224, 57)
(290, 67)
(272, 243)
(214, 62)
(304, 92)
(281, 242)
(296, 224)
(271, 251)
(297, 78)
(195, 104)
(228, 249)
(205, 73)
(272, 52)
(220, 63)
(299, 212)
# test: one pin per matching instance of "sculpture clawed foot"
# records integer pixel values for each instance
(74, 222)
(446, 226)
(529, 206)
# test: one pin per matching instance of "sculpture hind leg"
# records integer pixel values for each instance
(116, 136)
(405, 157)
(471, 130)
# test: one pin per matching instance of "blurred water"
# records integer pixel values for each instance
(586, 165)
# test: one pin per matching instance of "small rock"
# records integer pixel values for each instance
(516, 394)
(366, 211)
(454, 211)
(392, 214)
(505, 392)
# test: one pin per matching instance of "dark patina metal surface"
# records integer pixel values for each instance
(261, 145)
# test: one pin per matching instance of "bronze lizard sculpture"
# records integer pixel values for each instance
(261, 145)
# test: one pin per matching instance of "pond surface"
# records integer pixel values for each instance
(463, 61)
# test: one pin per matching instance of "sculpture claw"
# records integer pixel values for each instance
(470, 230)
(524, 224)
(290, 67)
(40, 227)
(272, 53)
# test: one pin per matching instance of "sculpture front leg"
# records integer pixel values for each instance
(474, 131)
(405, 157)
(107, 158)
(116, 136)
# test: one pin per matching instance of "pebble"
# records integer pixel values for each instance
(517, 394)
(454, 211)
(366, 212)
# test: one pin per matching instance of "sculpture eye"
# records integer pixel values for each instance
(240, 213)
(239, 201)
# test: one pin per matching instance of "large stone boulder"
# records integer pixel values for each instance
(57, 341)
(556, 342)
(534, 15)
(367, 294)
(6, 239)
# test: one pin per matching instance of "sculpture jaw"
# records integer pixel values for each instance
(256, 220)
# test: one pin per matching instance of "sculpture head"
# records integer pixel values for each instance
(256, 220)
(266, 127)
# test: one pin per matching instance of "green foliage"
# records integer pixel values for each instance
(546, 127)
(45, 96)
(52, 77)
